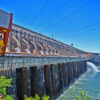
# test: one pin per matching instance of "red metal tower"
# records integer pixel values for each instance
(5, 29)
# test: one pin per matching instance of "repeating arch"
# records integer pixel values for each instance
(34, 44)
(17, 42)
(26, 43)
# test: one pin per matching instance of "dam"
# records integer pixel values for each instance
(36, 63)
(41, 75)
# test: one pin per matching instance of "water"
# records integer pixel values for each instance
(89, 64)
(89, 82)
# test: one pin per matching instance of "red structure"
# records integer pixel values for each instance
(5, 29)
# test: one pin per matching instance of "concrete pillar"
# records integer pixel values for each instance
(83, 70)
(41, 81)
(72, 68)
(77, 64)
(34, 81)
(57, 80)
(54, 83)
(78, 67)
(21, 83)
(75, 70)
(28, 82)
(24, 79)
(47, 75)
(81, 65)
(68, 74)
(60, 72)
(85, 65)
(53, 76)
(37, 81)
(13, 88)
(65, 75)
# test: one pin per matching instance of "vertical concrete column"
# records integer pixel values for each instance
(21, 83)
(72, 65)
(24, 79)
(53, 77)
(75, 70)
(60, 72)
(14, 83)
(65, 76)
(28, 82)
(19, 88)
(37, 81)
(47, 74)
(57, 82)
(68, 74)
(85, 65)
(81, 65)
(72, 72)
(41, 81)
(34, 81)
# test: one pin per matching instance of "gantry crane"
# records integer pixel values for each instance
(5, 29)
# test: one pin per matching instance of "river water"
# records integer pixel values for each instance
(89, 82)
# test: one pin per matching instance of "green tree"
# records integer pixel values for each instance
(83, 96)
(8, 97)
(4, 83)
(45, 97)
(26, 98)
(37, 97)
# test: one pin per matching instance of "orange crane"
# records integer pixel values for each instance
(5, 29)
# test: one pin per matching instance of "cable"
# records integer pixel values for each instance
(75, 11)
(57, 11)
(40, 11)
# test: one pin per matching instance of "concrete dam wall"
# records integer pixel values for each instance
(41, 75)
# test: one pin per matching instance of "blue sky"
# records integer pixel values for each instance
(70, 21)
